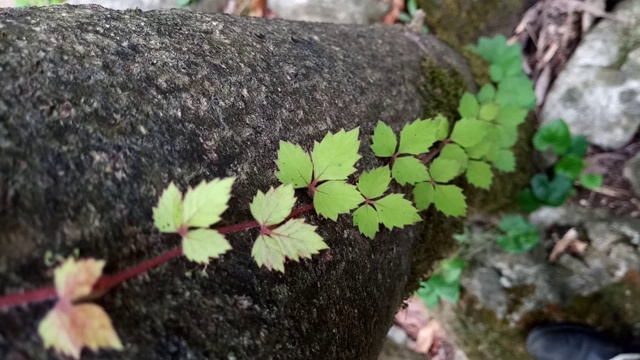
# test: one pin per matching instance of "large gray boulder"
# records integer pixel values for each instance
(100, 109)
(598, 92)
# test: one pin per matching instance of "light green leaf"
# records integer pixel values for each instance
(374, 183)
(204, 204)
(516, 90)
(468, 132)
(479, 151)
(423, 195)
(442, 127)
(335, 156)
(409, 170)
(591, 181)
(384, 141)
(486, 93)
(167, 216)
(428, 295)
(489, 112)
(444, 170)
(512, 115)
(274, 206)
(505, 161)
(449, 200)
(508, 135)
(267, 252)
(446, 290)
(366, 219)
(293, 240)
(396, 211)
(202, 244)
(336, 197)
(294, 165)
(456, 153)
(452, 269)
(416, 138)
(469, 106)
(479, 174)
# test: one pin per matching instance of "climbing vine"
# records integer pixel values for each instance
(428, 155)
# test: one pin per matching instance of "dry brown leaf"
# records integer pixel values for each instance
(427, 336)
(568, 243)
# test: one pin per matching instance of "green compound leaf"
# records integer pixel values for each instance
(481, 150)
(516, 90)
(396, 211)
(506, 68)
(374, 183)
(512, 115)
(409, 170)
(505, 161)
(579, 146)
(449, 200)
(384, 140)
(556, 135)
(553, 193)
(428, 295)
(570, 165)
(486, 94)
(446, 290)
(294, 165)
(366, 219)
(416, 138)
(591, 181)
(336, 197)
(274, 206)
(469, 106)
(479, 174)
(521, 236)
(528, 201)
(423, 195)
(508, 135)
(293, 240)
(335, 156)
(442, 127)
(489, 111)
(444, 170)
(452, 269)
(167, 215)
(203, 205)
(468, 132)
(456, 153)
(496, 49)
(202, 244)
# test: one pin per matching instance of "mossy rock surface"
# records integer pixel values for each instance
(101, 109)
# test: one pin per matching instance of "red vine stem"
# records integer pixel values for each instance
(107, 282)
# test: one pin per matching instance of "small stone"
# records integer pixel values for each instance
(632, 173)
(598, 92)
(332, 11)
(603, 235)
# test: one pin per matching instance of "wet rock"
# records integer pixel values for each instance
(333, 11)
(598, 93)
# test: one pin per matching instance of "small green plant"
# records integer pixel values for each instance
(556, 186)
(408, 16)
(444, 283)
(518, 235)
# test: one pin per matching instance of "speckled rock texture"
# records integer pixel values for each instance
(129, 4)
(101, 109)
(598, 92)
